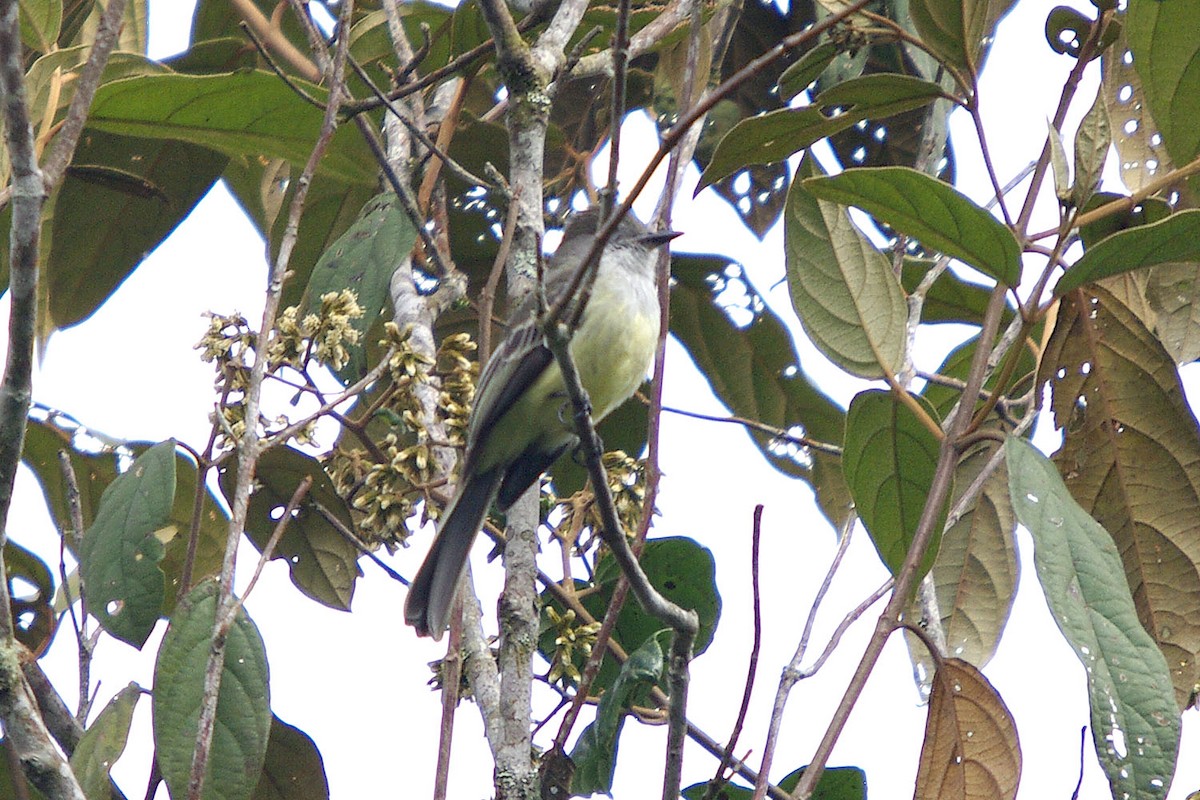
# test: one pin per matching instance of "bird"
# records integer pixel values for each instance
(520, 422)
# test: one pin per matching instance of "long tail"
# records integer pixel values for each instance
(433, 589)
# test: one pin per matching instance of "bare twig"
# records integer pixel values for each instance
(250, 446)
(756, 644)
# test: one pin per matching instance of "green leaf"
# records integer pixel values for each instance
(93, 472)
(1093, 139)
(243, 721)
(843, 288)
(31, 592)
(929, 210)
(1173, 291)
(120, 199)
(210, 544)
(837, 783)
(1131, 458)
(1135, 722)
(103, 743)
(682, 570)
(238, 114)
(1176, 238)
(363, 260)
(1141, 149)
(889, 461)
(799, 76)
(975, 572)
(323, 565)
(40, 23)
(1066, 30)
(595, 753)
(745, 352)
(293, 769)
(121, 550)
(776, 135)
(958, 30)
(1058, 164)
(1166, 55)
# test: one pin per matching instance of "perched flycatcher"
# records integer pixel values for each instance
(521, 420)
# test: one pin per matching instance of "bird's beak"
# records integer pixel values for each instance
(659, 238)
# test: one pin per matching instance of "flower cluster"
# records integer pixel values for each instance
(569, 638)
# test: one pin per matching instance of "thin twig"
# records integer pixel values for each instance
(250, 447)
(756, 644)
(268, 550)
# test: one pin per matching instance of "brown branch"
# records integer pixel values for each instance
(274, 38)
(250, 447)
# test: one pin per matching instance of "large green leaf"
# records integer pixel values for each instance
(103, 743)
(363, 260)
(243, 721)
(958, 30)
(745, 353)
(1176, 238)
(249, 113)
(843, 288)
(776, 135)
(323, 565)
(1166, 55)
(121, 198)
(975, 572)
(121, 550)
(595, 753)
(1135, 721)
(293, 769)
(889, 461)
(40, 23)
(1131, 458)
(930, 211)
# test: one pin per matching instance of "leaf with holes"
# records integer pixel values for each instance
(1135, 721)
(1166, 55)
(1131, 458)
(889, 461)
(971, 748)
(930, 211)
(243, 720)
(1176, 238)
(843, 288)
(121, 550)
(322, 563)
(1142, 153)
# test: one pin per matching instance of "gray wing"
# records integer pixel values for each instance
(516, 364)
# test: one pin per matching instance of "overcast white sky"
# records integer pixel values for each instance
(354, 681)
